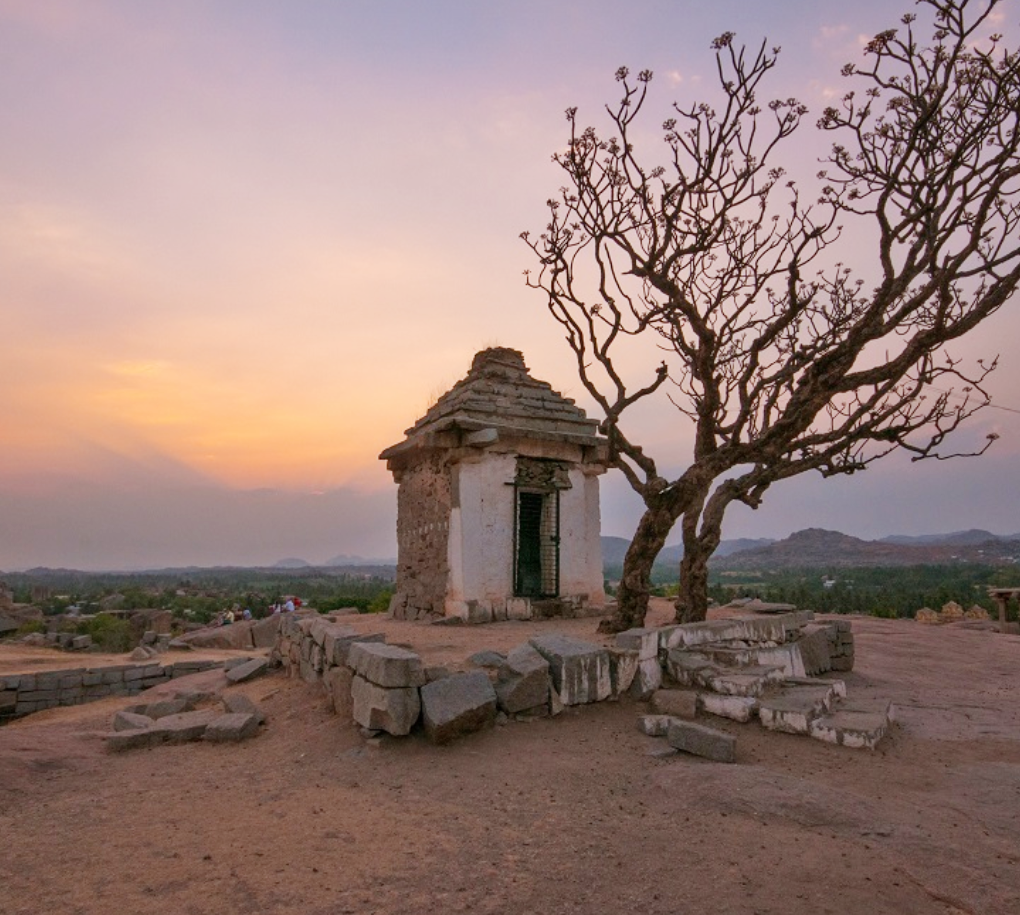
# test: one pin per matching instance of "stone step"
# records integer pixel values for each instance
(857, 723)
(736, 708)
(792, 709)
(746, 681)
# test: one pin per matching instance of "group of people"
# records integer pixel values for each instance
(236, 614)
(233, 615)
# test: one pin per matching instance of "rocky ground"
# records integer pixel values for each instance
(572, 814)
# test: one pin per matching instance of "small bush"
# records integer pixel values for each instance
(30, 626)
(109, 633)
(381, 602)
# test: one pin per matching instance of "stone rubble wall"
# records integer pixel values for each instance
(22, 694)
(386, 688)
(424, 501)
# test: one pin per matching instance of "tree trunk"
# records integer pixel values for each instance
(636, 583)
(692, 599)
(699, 545)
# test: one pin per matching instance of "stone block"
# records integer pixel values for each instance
(522, 681)
(232, 726)
(654, 725)
(518, 608)
(332, 633)
(91, 678)
(479, 611)
(676, 702)
(342, 646)
(337, 682)
(647, 678)
(689, 668)
(699, 740)
(380, 709)
(49, 680)
(753, 629)
(860, 727)
(8, 698)
(81, 642)
(185, 726)
(131, 739)
(579, 670)
(815, 652)
(751, 681)
(623, 668)
(789, 658)
(736, 708)
(163, 707)
(791, 710)
(644, 641)
(457, 705)
(239, 703)
(248, 670)
(487, 658)
(386, 665)
(130, 721)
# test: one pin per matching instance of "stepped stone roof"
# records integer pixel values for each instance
(499, 397)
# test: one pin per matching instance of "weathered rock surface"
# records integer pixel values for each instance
(386, 665)
(238, 703)
(232, 726)
(522, 682)
(623, 668)
(580, 670)
(676, 702)
(699, 740)
(236, 636)
(381, 709)
(457, 705)
(248, 670)
(130, 721)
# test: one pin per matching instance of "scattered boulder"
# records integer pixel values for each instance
(678, 703)
(232, 726)
(130, 721)
(487, 658)
(248, 670)
(699, 740)
(522, 682)
(655, 725)
(236, 703)
(457, 705)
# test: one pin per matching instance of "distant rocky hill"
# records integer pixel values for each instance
(815, 547)
(615, 548)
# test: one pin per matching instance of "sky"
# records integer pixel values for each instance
(244, 244)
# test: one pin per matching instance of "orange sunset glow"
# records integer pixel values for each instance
(243, 244)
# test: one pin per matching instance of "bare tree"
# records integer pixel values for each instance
(782, 358)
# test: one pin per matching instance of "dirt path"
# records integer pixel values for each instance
(570, 815)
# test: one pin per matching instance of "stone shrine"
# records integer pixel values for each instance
(498, 501)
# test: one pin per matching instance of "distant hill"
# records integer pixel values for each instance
(343, 559)
(957, 538)
(291, 564)
(615, 548)
(817, 548)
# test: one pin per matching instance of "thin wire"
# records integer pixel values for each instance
(994, 406)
